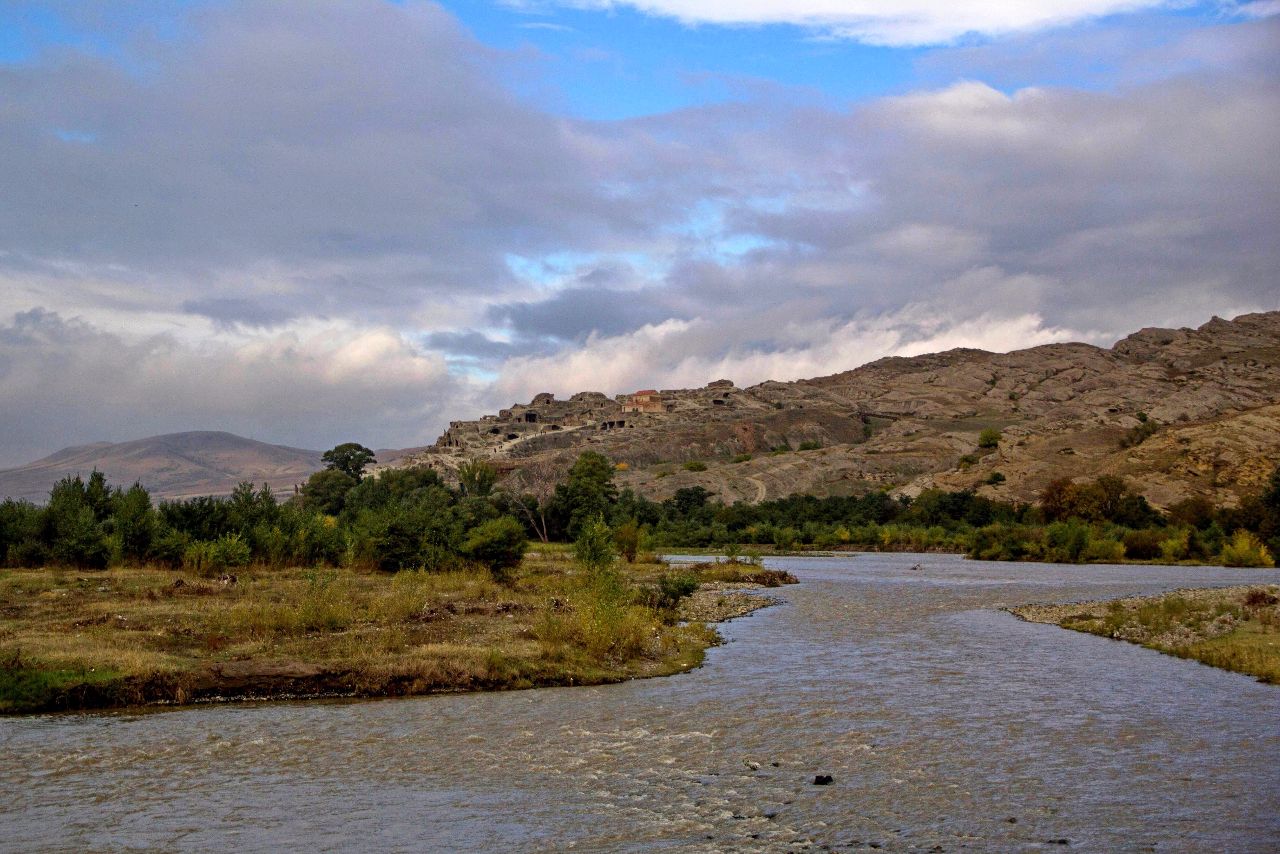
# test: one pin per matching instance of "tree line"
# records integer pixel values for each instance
(411, 518)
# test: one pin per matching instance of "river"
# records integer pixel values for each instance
(945, 724)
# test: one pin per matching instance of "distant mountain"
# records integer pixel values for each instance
(1179, 412)
(175, 465)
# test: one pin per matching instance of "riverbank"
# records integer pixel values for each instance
(148, 636)
(1235, 628)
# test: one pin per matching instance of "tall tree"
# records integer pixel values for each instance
(588, 493)
(350, 458)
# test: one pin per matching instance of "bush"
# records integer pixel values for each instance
(1143, 545)
(1139, 434)
(1245, 549)
(810, 445)
(695, 465)
(210, 557)
(989, 438)
(742, 458)
(627, 539)
(499, 544)
(1066, 542)
(672, 587)
(994, 478)
(1104, 551)
(594, 548)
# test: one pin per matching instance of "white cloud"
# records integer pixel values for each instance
(884, 22)
(689, 354)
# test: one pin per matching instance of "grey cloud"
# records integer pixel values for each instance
(233, 310)
(470, 344)
(572, 314)
(64, 381)
(270, 134)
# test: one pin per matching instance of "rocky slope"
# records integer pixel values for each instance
(175, 465)
(1178, 411)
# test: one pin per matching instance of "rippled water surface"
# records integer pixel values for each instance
(945, 723)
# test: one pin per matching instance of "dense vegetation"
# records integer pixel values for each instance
(411, 519)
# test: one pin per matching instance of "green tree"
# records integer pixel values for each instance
(72, 529)
(588, 492)
(350, 458)
(134, 523)
(326, 491)
(989, 438)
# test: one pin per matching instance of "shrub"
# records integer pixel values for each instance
(672, 587)
(695, 465)
(989, 438)
(499, 544)
(1245, 549)
(1175, 547)
(1139, 434)
(785, 538)
(1066, 541)
(627, 539)
(810, 445)
(742, 458)
(1259, 598)
(994, 478)
(1143, 545)
(594, 548)
(1104, 551)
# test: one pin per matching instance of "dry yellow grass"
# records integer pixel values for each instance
(129, 635)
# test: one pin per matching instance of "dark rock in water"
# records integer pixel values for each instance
(823, 780)
(917, 567)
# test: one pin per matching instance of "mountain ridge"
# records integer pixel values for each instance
(909, 423)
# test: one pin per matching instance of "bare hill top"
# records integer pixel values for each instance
(175, 465)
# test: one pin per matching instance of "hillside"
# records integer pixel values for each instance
(1179, 411)
(175, 465)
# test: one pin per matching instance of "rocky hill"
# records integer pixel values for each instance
(1178, 411)
(176, 465)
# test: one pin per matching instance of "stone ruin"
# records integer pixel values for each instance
(587, 410)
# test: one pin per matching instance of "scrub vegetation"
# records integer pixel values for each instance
(146, 634)
(1235, 628)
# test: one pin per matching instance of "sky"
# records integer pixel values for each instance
(358, 220)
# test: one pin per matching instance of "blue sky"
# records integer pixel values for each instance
(312, 222)
(622, 63)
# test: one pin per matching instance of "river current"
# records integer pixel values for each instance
(944, 723)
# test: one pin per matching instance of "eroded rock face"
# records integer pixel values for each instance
(1210, 397)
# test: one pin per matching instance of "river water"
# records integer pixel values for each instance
(945, 724)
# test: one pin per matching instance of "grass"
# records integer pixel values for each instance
(137, 635)
(1235, 628)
